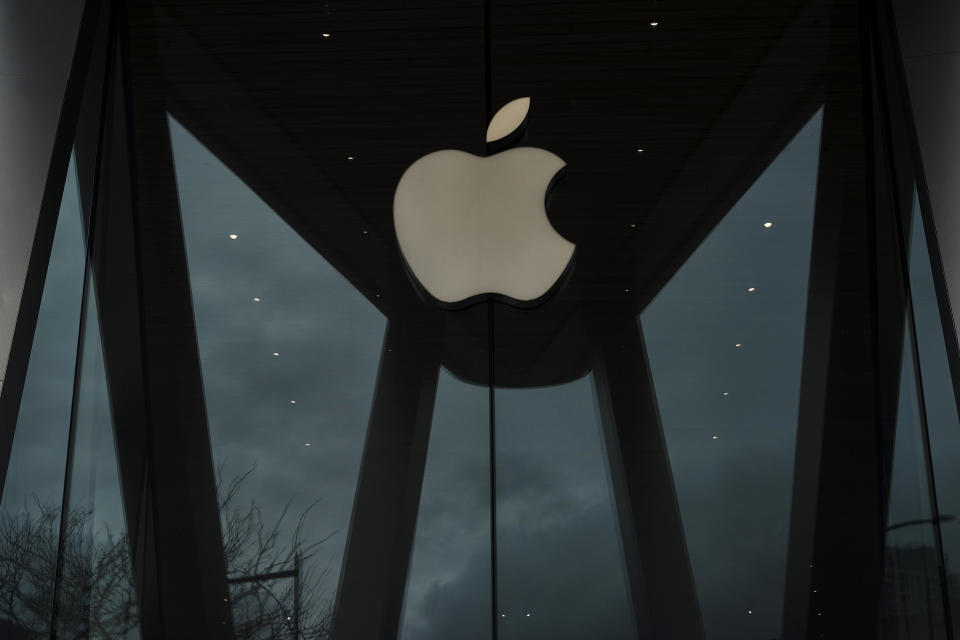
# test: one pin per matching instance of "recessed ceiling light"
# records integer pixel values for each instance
(275, 354)
(738, 345)
(233, 236)
(307, 444)
(349, 157)
(726, 393)
(767, 224)
(715, 437)
(325, 35)
(752, 289)
(639, 150)
(293, 402)
(654, 24)
(256, 299)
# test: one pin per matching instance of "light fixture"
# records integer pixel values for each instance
(639, 150)
(233, 236)
(307, 444)
(256, 299)
(349, 157)
(749, 611)
(293, 402)
(715, 437)
(767, 224)
(726, 393)
(654, 24)
(752, 289)
(738, 345)
(325, 35)
(276, 355)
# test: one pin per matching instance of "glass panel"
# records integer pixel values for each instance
(559, 555)
(33, 489)
(448, 588)
(912, 604)
(940, 403)
(725, 343)
(96, 593)
(289, 352)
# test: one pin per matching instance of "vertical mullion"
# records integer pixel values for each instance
(81, 335)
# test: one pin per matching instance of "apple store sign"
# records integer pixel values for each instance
(472, 226)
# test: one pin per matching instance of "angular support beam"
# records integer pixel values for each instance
(374, 572)
(661, 582)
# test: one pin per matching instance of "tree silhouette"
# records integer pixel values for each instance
(276, 591)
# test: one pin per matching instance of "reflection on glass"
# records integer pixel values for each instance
(96, 596)
(289, 351)
(940, 403)
(912, 598)
(33, 489)
(559, 555)
(448, 586)
(725, 342)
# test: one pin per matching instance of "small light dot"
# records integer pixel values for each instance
(307, 444)
(633, 226)
(226, 600)
(233, 236)
(814, 590)
(715, 437)
(365, 232)
(275, 354)
(726, 393)
(749, 611)
(654, 24)
(325, 35)
(256, 299)
(626, 290)
(767, 224)
(528, 615)
(293, 402)
(349, 157)
(752, 289)
(639, 150)
(738, 345)
(819, 613)
(503, 615)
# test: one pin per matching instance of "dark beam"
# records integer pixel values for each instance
(655, 551)
(377, 555)
(181, 480)
(850, 376)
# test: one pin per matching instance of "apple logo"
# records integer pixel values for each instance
(472, 228)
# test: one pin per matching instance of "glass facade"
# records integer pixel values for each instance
(733, 415)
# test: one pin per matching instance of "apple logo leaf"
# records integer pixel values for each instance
(508, 120)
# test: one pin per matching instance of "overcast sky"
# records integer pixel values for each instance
(299, 417)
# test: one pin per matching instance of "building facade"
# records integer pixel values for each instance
(309, 338)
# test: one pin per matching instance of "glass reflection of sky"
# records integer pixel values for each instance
(298, 418)
(40, 442)
(729, 412)
(448, 586)
(560, 562)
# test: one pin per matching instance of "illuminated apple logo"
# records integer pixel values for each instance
(473, 227)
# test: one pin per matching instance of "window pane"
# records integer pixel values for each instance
(289, 352)
(725, 341)
(448, 587)
(33, 489)
(939, 401)
(559, 554)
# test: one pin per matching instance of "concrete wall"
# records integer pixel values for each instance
(37, 40)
